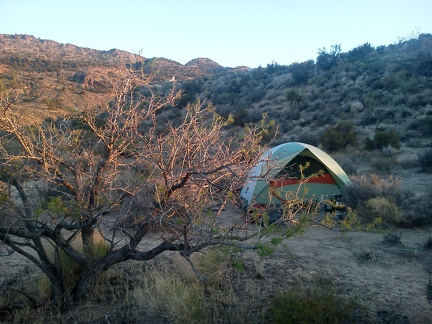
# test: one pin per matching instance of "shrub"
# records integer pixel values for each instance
(365, 187)
(425, 160)
(428, 243)
(382, 208)
(393, 238)
(309, 138)
(312, 305)
(167, 297)
(383, 164)
(413, 210)
(339, 136)
(383, 139)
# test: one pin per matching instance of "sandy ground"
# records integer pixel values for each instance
(392, 281)
(387, 279)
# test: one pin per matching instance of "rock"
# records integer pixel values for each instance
(356, 107)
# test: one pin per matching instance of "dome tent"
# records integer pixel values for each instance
(281, 169)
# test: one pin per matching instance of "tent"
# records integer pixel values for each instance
(293, 169)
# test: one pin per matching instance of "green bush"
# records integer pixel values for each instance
(313, 305)
(383, 139)
(384, 208)
(414, 210)
(425, 160)
(383, 164)
(339, 136)
(393, 238)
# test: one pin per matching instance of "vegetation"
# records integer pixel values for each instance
(382, 140)
(316, 304)
(119, 175)
(339, 136)
(110, 157)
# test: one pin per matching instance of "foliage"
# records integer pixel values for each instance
(381, 208)
(121, 170)
(425, 160)
(296, 99)
(392, 238)
(327, 60)
(428, 243)
(302, 72)
(316, 304)
(383, 139)
(360, 52)
(383, 164)
(339, 136)
(190, 89)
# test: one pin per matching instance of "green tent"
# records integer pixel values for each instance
(278, 175)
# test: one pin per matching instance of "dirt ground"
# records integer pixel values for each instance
(392, 281)
(387, 279)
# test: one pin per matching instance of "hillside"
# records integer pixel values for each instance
(60, 79)
(387, 88)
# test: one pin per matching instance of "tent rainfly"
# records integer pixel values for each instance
(280, 170)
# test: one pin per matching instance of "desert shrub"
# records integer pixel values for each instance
(348, 161)
(309, 138)
(383, 164)
(383, 139)
(301, 72)
(414, 210)
(360, 52)
(367, 255)
(425, 160)
(214, 265)
(339, 136)
(428, 243)
(382, 208)
(167, 297)
(423, 125)
(393, 238)
(365, 187)
(318, 304)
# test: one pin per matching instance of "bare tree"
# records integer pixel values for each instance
(115, 171)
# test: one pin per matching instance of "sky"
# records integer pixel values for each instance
(232, 33)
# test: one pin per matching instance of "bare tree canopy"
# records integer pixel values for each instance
(116, 171)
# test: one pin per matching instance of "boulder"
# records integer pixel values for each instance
(356, 107)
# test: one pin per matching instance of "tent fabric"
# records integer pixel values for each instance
(280, 170)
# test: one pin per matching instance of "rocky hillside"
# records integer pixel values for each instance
(387, 88)
(59, 77)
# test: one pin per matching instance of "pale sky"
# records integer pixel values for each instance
(232, 33)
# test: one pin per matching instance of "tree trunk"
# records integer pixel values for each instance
(87, 235)
(90, 273)
(59, 295)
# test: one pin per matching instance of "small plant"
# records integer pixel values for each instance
(428, 243)
(339, 136)
(383, 165)
(425, 160)
(214, 264)
(368, 255)
(318, 304)
(393, 238)
(383, 139)
(167, 297)
(382, 208)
